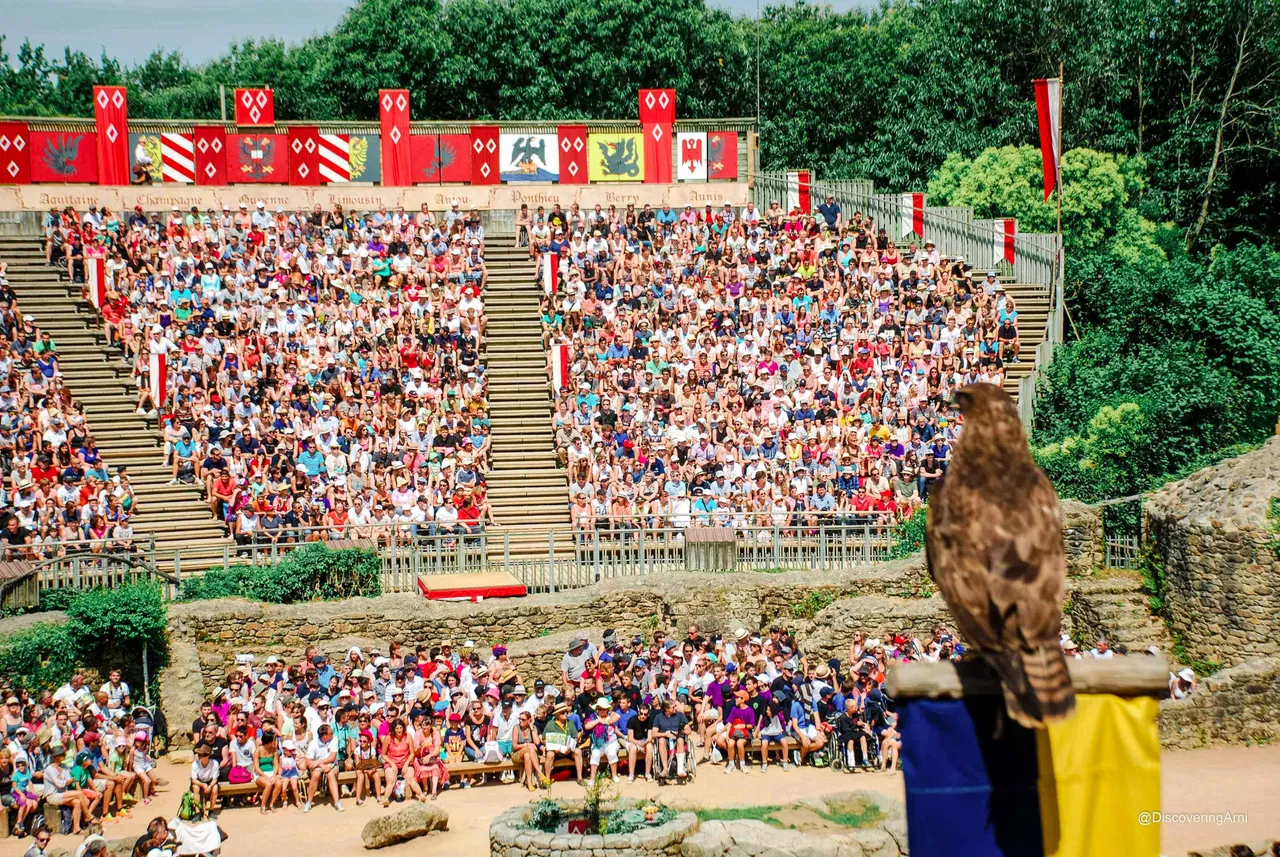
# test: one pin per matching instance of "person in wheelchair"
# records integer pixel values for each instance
(671, 732)
(854, 736)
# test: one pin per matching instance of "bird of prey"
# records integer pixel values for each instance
(994, 547)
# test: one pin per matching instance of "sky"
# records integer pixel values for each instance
(86, 24)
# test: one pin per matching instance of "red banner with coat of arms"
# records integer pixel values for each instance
(257, 158)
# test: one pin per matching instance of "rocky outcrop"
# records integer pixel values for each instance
(1238, 705)
(1082, 533)
(1115, 607)
(1221, 570)
(409, 823)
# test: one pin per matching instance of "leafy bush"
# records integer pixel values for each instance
(545, 815)
(38, 657)
(313, 572)
(908, 536)
(624, 820)
(811, 605)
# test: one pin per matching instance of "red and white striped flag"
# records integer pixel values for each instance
(178, 158)
(550, 273)
(159, 380)
(798, 191)
(913, 214)
(1049, 112)
(560, 363)
(95, 279)
(1005, 234)
(335, 157)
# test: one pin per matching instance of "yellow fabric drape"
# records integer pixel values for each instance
(1099, 774)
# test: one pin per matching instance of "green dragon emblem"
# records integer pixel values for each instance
(619, 159)
(60, 155)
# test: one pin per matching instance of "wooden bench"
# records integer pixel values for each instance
(364, 544)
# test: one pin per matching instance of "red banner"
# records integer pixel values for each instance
(15, 153)
(253, 158)
(657, 152)
(573, 154)
(397, 159)
(484, 154)
(657, 105)
(211, 155)
(722, 154)
(111, 112)
(304, 155)
(424, 157)
(454, 157)
(58, 156)
(255, 107)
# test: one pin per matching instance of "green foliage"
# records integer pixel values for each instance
(855, 812)
(105, 628)
(57, 599)
(811, 605)
(1273, 522)
(767, 814)
(313, 572)
(908, 536)
(597, 792)
(625, 820)
(545, 815)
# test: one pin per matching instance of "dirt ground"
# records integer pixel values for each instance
(1221, 780)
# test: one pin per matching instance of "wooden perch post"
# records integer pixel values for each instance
(1134, 675)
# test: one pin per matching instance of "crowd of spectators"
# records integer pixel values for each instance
(57, 490)
(325, 377)
(758, 368)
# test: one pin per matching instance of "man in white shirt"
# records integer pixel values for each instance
(322, 761)
(73, 692)
(117, 692)
(1102, 650)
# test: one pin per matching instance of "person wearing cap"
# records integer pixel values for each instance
(59, 790)
(580, 651)
(23, 794)
(740, 721)
(204, 779)
(560, 738)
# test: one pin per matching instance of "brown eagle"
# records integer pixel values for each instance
(994, 546)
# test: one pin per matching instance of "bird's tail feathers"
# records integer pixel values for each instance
(1037, 687)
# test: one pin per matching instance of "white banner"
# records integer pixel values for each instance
(691, 151)
(529, 157)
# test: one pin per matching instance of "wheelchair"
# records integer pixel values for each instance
(671, 772)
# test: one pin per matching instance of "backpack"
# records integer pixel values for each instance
(189, 808)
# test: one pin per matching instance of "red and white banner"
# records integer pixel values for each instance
(657, 152)
(211, 155)
(304, 155)
(913, 214)
(691, 156)
(111, 112)
(798, 191)
(255, 107)
(335, 158)
(158, 382)
(15, 153)
(657, 105)
(398, 168)
(560, 364)
(722, 153)
(1049, 112)
(573, 154)
(484, 154)
(550, 272)
(1005, 234)
(178, 158)
(95, 280)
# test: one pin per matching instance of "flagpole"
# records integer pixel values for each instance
(1062, 251)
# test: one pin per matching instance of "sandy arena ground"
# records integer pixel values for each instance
(1228, 779)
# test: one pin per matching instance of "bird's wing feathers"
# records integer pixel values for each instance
(999, 562)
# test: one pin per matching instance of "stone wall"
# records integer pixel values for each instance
(1230, 707)
(509, 837)
(1082, 533)
(1222, 574)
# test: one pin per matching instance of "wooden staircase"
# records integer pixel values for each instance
(176, 515)
(1033, 321)
(528, 491)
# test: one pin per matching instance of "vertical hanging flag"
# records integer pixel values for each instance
(95, 280)
(657, 105)
(177, 158)
(15, 153)
(304, 155)
(211, 155)
(258, 158)
(529, 157)
(913, 214)
(1049, 112)
(58, 157)
(397, 155)
(722, 152)
(798, 191)
(255, 107)
(453, 155)
(560, 363)
(550, 273)
(335, 158)
(573, 154)
(691, 155)
(1005, 233)
(111, 112)
(484, 155)
(657, 152)
(158, 380)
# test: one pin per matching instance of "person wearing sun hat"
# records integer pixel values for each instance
(602, 728)
(560, 738)
(58, 790)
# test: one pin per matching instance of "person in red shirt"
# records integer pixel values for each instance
(862, 503)
(469, 516)
(884, 507)
(43, 470)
